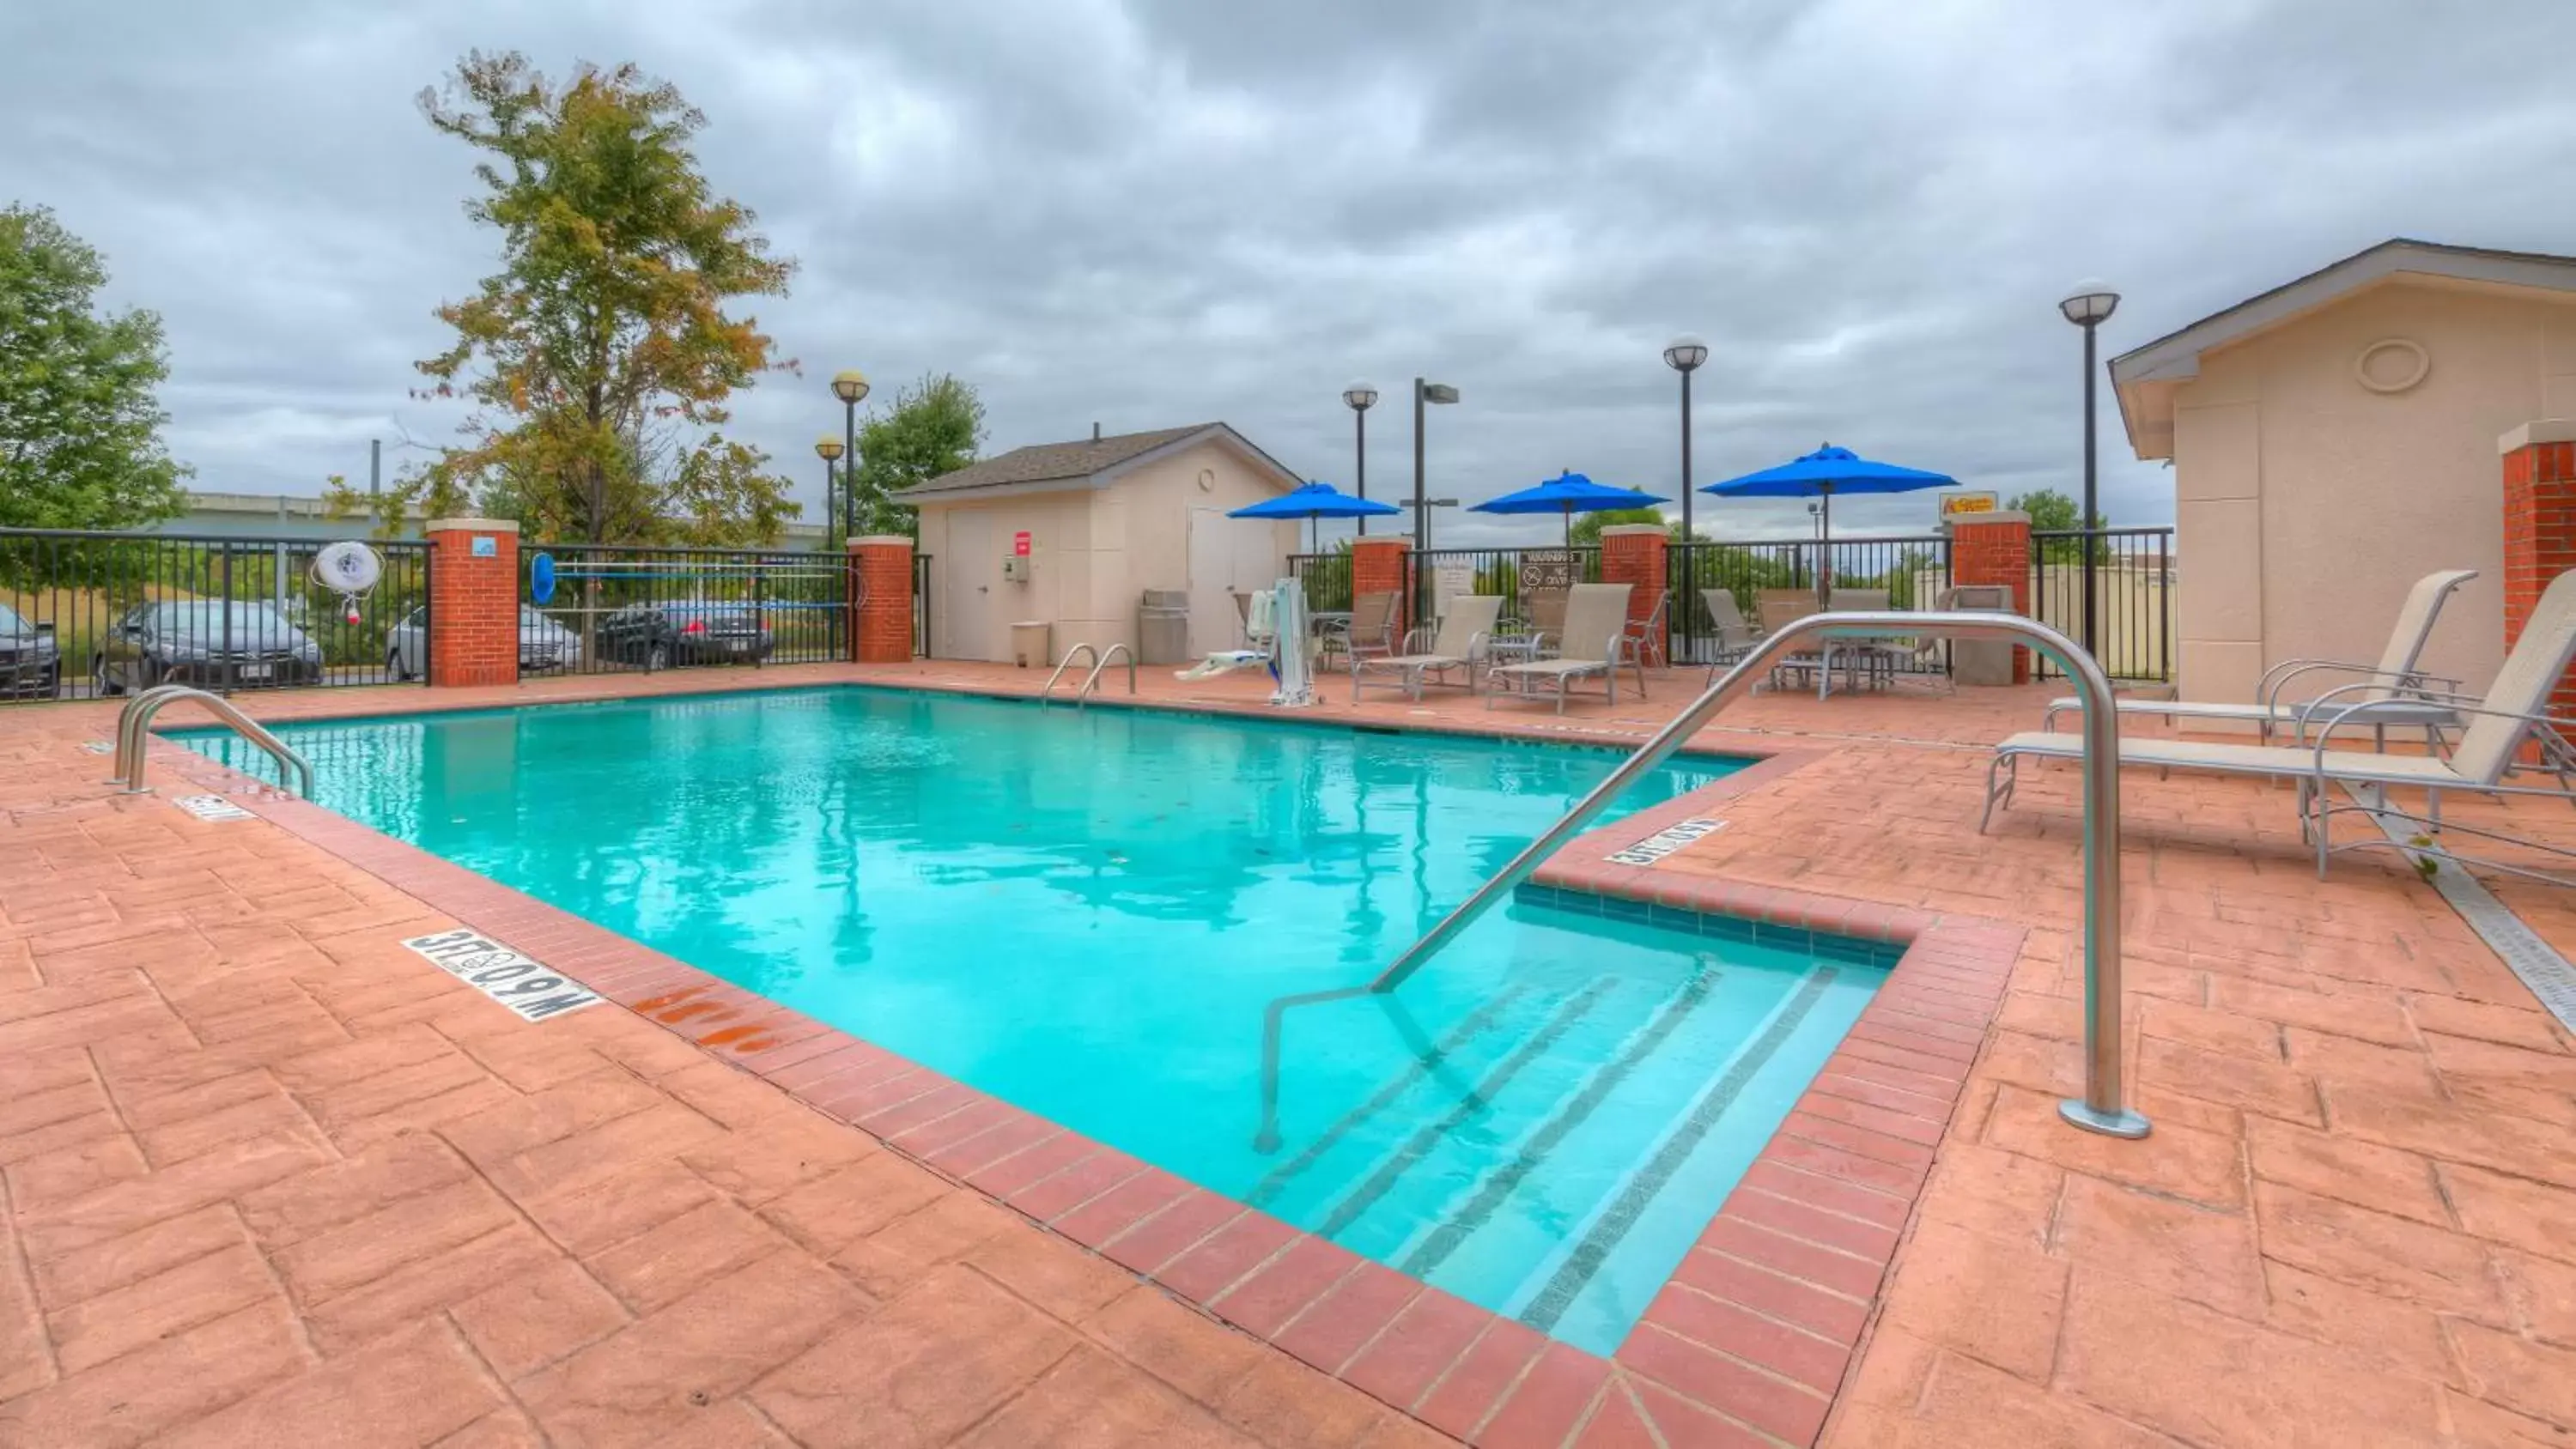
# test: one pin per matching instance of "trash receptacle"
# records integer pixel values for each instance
(1978, 661)
(1163, 627)
(1029, 643)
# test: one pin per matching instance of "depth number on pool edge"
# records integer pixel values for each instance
(1664, 842)
(524, 985)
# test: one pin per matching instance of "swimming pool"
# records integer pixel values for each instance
(1085, 913)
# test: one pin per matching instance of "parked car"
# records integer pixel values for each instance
(543, 644)
(30, 664)
(205, 642)
(685, 631)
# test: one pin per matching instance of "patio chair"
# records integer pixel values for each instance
(2394, 689)
(1775, 607)
(1595, 642)
(1368, 633)
(2498, 726)
(1735, 637)
(1646, 636)
(1461, 642)
(1541, 620)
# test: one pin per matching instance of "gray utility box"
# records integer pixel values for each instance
(1163, 627)
(1978, 661)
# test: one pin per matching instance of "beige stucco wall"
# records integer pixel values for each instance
(1093, 551)
(2306, 504)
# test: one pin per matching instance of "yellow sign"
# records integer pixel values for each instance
(1954, 504)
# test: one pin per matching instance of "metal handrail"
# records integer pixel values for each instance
(1079, 648)
(1101, 662)
(134, 726)
(2103, 1107)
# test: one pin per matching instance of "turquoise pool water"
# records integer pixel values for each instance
(1085, 913)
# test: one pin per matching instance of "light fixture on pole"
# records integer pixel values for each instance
(1424, 392)
(850, 385)
(828, 448)
(2088, 306)
(1360, 397)
(1684, 355)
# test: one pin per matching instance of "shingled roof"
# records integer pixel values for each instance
(1054, 462)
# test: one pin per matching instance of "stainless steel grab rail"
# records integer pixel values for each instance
(134, 733)
(2103, 1107)
(1101, 662)
(1081, 648)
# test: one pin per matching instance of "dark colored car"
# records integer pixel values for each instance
(205, 642)
(658, 636)
(30, 664)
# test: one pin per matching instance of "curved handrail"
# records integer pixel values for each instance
(134, 726)
(1081, 648)
(1100, 662)
(2103, 1107)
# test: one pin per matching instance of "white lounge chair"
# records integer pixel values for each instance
(1735, 637)
(1459, 643)
(1595, 642)
(1368, 632)
(2394, 689)
(2512, 710)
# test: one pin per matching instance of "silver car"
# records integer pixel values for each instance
(29, 661)
(543, 645)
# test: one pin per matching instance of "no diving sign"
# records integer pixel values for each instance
(526, 987)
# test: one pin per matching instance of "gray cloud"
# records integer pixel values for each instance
(1165, 211)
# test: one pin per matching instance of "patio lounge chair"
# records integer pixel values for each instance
(1368, 632)
(2393, 690)
(1459, 643)
(1735, 637)
(1595, 642)
(1646, 635)
(2498, 725)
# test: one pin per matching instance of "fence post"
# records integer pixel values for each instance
(881, 599)
(474, 596)
(1994, 549)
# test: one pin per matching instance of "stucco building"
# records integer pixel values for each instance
(2339, 436)
(1093, 524)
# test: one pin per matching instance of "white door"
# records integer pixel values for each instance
(973, 571)
(1227, 556)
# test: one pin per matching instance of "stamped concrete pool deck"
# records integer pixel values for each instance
(271, 1178)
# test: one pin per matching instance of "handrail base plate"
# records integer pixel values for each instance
(2123, 1124)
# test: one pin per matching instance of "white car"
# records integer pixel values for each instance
(543, 645)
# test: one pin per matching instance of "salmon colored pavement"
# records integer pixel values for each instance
(271, 1179)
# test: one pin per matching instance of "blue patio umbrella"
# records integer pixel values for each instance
(1824, 473)
(1311, 501)
(1568, 494)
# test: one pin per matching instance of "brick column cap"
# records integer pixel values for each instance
(1381, 541)
(2532, 434)
(1991, 515)
(470, 525)
(882, 540)
(1635, 530)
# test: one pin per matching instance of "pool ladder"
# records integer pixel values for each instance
(1091, 681)
(134, 732)
(2104, 1107)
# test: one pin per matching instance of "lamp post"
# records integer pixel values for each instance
(828, 448)
(850, 385)
(2088, 307)
(1424, 392)
(1684, 356)
(1360, 396)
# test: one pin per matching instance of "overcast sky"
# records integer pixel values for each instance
(1168, 211)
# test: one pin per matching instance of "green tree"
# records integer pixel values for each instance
(601, 356)
(80, 425)
(2053, 512)
(1588, 526)
(935, 427)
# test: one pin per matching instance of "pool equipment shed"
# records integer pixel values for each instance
(1075, 535)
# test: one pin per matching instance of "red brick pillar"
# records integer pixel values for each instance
(473, 601)
(1377, 567)
(2539, 526)
(1634, 554)
(1994, 548)
(881, 585)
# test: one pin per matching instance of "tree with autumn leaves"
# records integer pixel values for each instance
(600, 358)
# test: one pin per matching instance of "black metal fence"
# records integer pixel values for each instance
(2133, 583)
(612, 608)
(84, 613)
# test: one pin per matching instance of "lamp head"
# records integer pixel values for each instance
(849, 385)
(827, 448)
(1360, 396)
(2090, 302)
(1685, 353)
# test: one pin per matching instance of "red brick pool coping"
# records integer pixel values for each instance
(1747, 1343)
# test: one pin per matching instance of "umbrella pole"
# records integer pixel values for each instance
(1569, 525)
(1825, 547)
